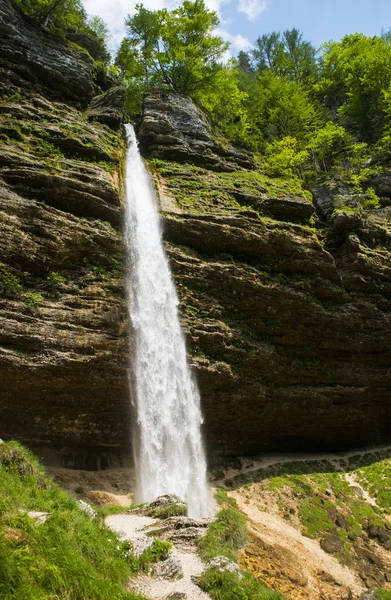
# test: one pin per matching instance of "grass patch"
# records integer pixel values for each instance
(224, 500)
(173, 510)
(70, 556)
(315, 519)
(225, 536)
(374, 478)
(325, 501)
(235, 586)
(160, 550)
(105, 510)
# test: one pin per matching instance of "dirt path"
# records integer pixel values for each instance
(352, 480)
(132, 527)
(252, 465)
(276, 532)
(295, 564)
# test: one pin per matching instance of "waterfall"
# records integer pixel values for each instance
(168, 449)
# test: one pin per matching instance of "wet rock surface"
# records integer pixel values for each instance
(174, 128)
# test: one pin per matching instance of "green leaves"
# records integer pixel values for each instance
(191, 53)
(60, 16)
(66, 14)
(174, 49)
(284, 157)
(355, 83)
(286, 55)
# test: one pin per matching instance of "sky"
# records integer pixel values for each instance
(242, 21)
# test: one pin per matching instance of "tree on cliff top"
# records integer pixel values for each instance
(356, 84)
(286, 55)
(174, 49)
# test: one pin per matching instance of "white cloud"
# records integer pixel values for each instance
(252, 8)
(114, 12)
(238, 42)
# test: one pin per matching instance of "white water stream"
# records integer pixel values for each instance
(168, 447)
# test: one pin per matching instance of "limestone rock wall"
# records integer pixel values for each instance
(30, 57)
(285, 301)
(63, 333)
(287, 312)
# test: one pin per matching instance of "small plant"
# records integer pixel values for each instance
(33, 299)
(54, 281)
(160, 550)
(173, 510)
(371, 200)
(10, 285)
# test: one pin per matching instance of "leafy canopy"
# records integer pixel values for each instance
(355, 83)
(173, 49)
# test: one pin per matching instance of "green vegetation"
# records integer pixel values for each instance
(10, 285)
(68, 21)
(160, 550)
(70, 555)
(33, 299)
(174, 49)
(235, 586)
(64, 16)
(325, 500)
(225, 536)
(374, 478)
(306, 111)
(173, 510)
(199, 191)
(54, 281)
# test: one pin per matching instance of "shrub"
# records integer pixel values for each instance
(10, 285)
(283, 157)
(225, 536)
(33, 299)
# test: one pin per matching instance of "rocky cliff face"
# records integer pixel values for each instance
(287, 314)
(287, 311)
(63, 340)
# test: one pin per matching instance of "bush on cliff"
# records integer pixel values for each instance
(69, 16)
(69, 555)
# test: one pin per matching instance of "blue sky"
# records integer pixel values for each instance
(242, 21)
